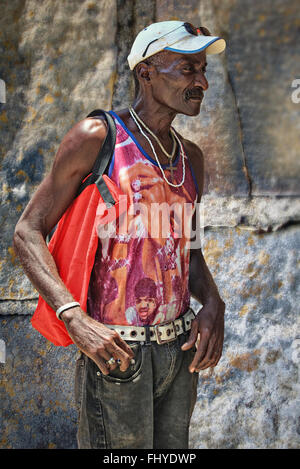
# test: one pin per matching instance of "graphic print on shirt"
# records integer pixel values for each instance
(141, 270)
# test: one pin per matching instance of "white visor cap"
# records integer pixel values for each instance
(173, 36)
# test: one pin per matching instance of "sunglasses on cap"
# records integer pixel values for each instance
(200, 31)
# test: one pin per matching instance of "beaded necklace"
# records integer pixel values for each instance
(171, 168)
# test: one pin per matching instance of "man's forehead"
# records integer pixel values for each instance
(177, 57)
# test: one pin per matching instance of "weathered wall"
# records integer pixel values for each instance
(62, 59)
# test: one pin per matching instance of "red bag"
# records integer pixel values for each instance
(75, 240)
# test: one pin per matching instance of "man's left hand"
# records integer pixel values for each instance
(209, 323)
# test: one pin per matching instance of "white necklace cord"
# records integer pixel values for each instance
(156, 157)
(169, 155)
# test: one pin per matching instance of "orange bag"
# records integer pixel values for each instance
(75, 240)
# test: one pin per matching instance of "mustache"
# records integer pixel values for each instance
(194, 93)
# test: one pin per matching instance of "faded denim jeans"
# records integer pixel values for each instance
(148, 406)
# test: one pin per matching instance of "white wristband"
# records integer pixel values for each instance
(65, 307)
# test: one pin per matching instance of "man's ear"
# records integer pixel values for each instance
(144, 71)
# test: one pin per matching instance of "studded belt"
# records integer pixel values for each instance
(161, 333)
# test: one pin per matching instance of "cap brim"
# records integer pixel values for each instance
(194, 44)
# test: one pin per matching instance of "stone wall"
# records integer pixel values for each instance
(62, 59)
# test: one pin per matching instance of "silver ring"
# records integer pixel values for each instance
(111, 361)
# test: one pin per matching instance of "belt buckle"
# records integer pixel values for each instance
(165, 341)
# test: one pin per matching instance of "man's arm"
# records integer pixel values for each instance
(209, 322)
(74, 161)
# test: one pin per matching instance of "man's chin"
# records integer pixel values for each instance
(192, 107)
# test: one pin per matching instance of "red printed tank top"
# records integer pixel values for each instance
(141, 270)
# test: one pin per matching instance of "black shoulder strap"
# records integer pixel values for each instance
(103, 159)
(108, 146)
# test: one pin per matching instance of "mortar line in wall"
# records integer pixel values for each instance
(125, 18)
(10, 315)
(115, 73)
(35, 298)
(245, 167)
(255, 229)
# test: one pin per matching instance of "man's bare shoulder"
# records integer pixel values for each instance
(196, 158)
(194, 151)
(90, 127)
(81, 145)
(87, 132)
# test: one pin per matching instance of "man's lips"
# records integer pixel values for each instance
(194, 95)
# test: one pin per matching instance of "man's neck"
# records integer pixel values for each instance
(156, 116)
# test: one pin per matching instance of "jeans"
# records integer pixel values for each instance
(148, 406)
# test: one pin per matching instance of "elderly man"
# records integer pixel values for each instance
(137, 385)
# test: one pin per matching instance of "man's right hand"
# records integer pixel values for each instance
(96, 340)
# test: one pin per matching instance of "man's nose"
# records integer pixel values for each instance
(200, 80)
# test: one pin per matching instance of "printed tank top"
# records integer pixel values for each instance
(141, 270)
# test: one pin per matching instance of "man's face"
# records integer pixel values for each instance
(145, 306)
(180, 82)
